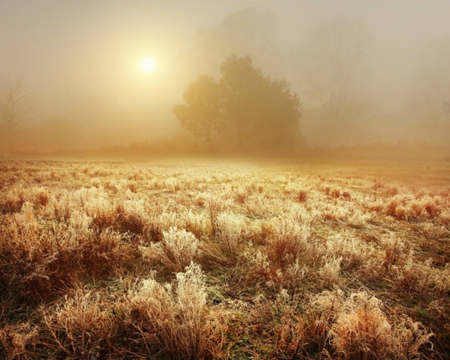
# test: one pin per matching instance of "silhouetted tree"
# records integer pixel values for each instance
(280, 110)
(15, 106)
(202, 113)
(243, 85)
(253, 107)
(257, 107)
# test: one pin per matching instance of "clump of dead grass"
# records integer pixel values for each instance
(177, 249)
(19, 341)
(170, 318)
(81, 325)
(357, 327)
(38, 263)
(289, 240)
(230, 233)
(362, 331)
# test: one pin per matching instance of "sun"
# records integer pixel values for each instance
(148, 65)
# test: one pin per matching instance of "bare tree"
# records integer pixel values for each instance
(15, 106)
(246, 32)
(447, 106)
(334, 69)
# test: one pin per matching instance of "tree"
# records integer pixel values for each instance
(15, 106)
(202, 113)
(242, 85)
(245, 32)
(258, 108)
(334, 69)
(280, 111)
(251, 106)
(431, 86)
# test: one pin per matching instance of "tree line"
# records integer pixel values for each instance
(244, 106)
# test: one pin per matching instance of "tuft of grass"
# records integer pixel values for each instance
(230, 233)
(176, 250)
(19, 341)
(302, 196)
(289, 241)
(362, 331)
(81, 325)
(171, 318)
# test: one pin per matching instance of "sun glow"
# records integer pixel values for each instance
(148, 65)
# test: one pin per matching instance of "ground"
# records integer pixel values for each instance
(224, 258)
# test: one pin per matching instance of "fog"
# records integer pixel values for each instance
(365, 71)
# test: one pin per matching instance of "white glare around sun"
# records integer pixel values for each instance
(148, 65)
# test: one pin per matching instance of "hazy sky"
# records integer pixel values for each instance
(81, 57)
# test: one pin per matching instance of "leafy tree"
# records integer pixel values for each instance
(253, 107)
(258, 108)
(280, 111)
(202, 113)
(243, 85)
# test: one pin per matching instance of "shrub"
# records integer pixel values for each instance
(290, 340)
(320, 314)
(356, 327)
(350, 249)
(41, 197)
(12, 201)
(216, 205)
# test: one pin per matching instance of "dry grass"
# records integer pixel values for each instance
(81, 325)
(223, 260)
(171, 318)
(176, 250)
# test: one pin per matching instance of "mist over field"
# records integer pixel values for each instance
(241, 179)
(364, 72)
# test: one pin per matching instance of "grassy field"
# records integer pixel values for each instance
(216, 259)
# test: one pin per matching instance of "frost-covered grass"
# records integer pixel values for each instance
(215, 259)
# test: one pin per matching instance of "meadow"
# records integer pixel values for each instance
(221, 259)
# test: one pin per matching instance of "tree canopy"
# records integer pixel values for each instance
(253, 109)
(202, 113)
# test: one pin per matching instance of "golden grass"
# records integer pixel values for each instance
(217, 260)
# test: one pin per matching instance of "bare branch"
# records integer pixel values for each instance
(447, 106)
(15, 106)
